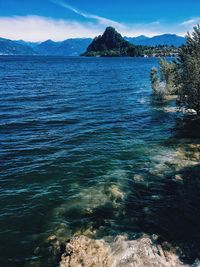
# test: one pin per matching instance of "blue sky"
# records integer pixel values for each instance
(38, 20)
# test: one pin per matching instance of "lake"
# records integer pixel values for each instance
(84, 149)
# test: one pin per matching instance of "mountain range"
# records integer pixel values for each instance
(76, 46)
(165, 39)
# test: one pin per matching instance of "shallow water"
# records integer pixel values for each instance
(83, 146)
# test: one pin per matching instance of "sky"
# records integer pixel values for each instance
(39, 20)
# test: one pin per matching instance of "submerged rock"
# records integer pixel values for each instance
(138, 178)
(85, 252)
(115, 193)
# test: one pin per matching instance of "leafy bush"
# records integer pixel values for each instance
(188, 79)
(168, 75)
(163, 79)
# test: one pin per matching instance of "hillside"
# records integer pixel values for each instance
(164, 39)
(111, 43)
(69, 47)
(9, 47)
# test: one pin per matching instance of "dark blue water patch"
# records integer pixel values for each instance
(70, 129)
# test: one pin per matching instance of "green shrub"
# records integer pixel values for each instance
(167, 75)
(163, 79)
(188, 79)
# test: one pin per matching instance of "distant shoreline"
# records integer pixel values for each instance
(54, 56)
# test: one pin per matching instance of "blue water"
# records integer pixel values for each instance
(71, 131)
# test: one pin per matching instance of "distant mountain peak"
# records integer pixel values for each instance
(48, 41)
(110, 42)
(167, 34)
(110, 31)
(142, 37)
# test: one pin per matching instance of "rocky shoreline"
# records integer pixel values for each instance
(82, 251)
(167, 213)
(148, 250)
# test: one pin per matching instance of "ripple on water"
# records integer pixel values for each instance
(84, 150)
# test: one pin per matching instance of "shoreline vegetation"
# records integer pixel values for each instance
(180, 77)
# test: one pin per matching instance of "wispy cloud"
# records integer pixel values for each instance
(37, 28)
(191, 22)
(188, 25)
(99, 19)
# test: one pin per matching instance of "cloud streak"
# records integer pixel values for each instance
(99, 19)
(191, 22)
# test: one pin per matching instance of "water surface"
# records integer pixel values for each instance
(77, 136)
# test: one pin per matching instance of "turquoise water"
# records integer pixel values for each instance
(83, 148)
